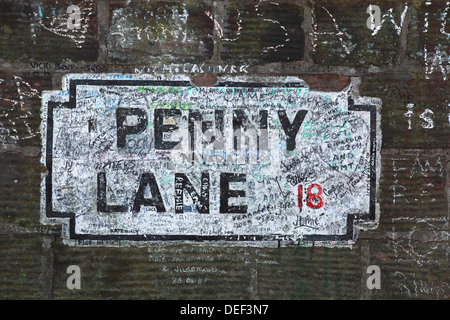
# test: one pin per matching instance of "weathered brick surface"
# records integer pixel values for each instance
(204, 79)
(341, 38)
(21, 266)
(176, 272)
(257, 33)
(20, 196)
(20, 108)
(305, 273)
(415, 112)
(327, 44)
(326, 82)
(416, 185)
(428, 37)
(412, 268)
(164, 32)
(193, 272)
(38, 31)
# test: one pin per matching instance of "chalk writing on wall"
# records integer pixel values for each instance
(18, 127)
(71, 23)
(132, 159)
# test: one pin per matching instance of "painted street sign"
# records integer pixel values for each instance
(132, 159)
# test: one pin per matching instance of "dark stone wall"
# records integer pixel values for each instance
(405, 62)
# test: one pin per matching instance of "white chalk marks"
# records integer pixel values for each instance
(17, 114)
(73, 23)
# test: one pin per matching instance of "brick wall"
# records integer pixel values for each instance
(404, 61)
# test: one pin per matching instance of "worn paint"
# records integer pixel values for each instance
(131, 158)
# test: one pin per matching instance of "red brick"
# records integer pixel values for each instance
(326, 82)
(204, 80)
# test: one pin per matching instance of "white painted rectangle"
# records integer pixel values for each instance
(136, 159)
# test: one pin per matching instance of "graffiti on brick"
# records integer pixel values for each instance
(71, 22)
(16, 114)
(135, 159)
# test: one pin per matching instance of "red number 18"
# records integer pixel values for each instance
(313, 200)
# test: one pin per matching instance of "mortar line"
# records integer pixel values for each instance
(365, 293)
(46, 275)
(403, 38)
(103, 27)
